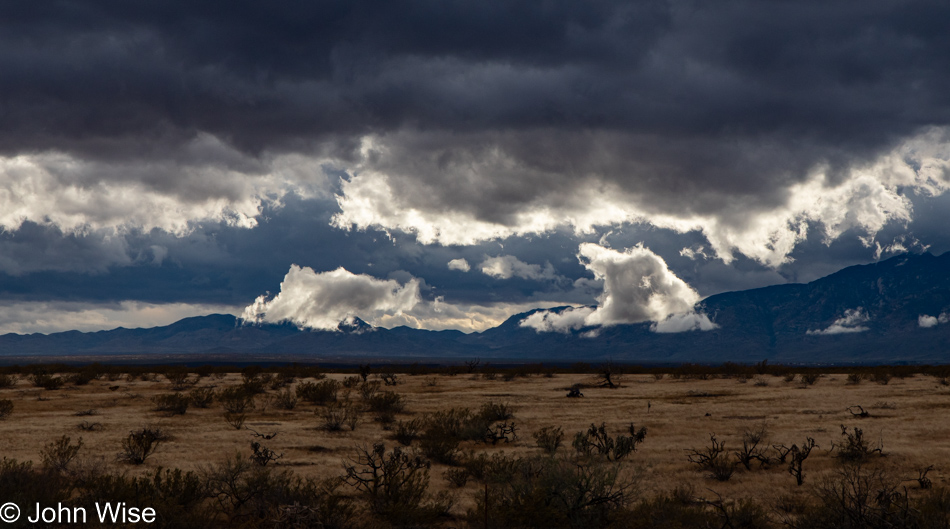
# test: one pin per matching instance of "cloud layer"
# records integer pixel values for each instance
(162, 153)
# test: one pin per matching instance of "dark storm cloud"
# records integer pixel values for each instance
(107, 76)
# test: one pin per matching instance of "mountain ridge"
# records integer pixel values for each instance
(861, 314)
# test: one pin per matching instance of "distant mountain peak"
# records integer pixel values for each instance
(354, 325)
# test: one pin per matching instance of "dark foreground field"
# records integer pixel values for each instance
(294, 447)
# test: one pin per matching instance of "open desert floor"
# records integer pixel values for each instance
(908, 419)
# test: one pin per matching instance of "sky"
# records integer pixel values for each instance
(447, 164)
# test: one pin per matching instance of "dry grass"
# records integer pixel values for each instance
(908, 414)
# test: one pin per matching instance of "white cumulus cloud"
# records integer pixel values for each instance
(849, 323)
(688, 321)
(508, 266)
(321, 300)
(638, 287)
(926, 321)
(459, 264)
(564, 321)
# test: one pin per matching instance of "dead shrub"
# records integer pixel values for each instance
(596, 441)
(855, 448)
(713, 459)
(395, 485)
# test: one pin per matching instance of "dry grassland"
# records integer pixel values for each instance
(910, 415)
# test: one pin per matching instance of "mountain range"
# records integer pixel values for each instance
(892, 311)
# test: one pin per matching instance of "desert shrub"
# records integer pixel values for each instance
(46, 381)
(854, 379)
(178, 497)
(677, 509)
(369, 389)
(285, 399)
(798, 457)
(385, 405)
(881, 377)
(857, 498)
(6, 408)
(23, 485)
(855, 447)
(319, 392)
(789, 377)
(751, 439)
(87, 426)
(365, 370)
(713, 459)
(406, 432)
(494, 468)
(439, 446)
(235, 419)
(503, 431)
(174, 404)
(553, 493)
(8, 381)
(280, 381)
(243, 490)
(79, 378)
(140, 444)
(337, 414)
(457, 477)
(596, 441)
(178, 377)
(202, 397)
(254, 380)
(262, 455)
(493, 412)
(235, 400)
(395, 485)
(549, 439)
(389, 378)
(809, 379)
(58, 454)
(352, 382)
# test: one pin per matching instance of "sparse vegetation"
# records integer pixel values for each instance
(549, 439)
(319, 393)
(174, 404)
(202, 397)
(58, 454)
(285, 399)
(140, 444)
(596, 441)
(295, 480)
(713, 459)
